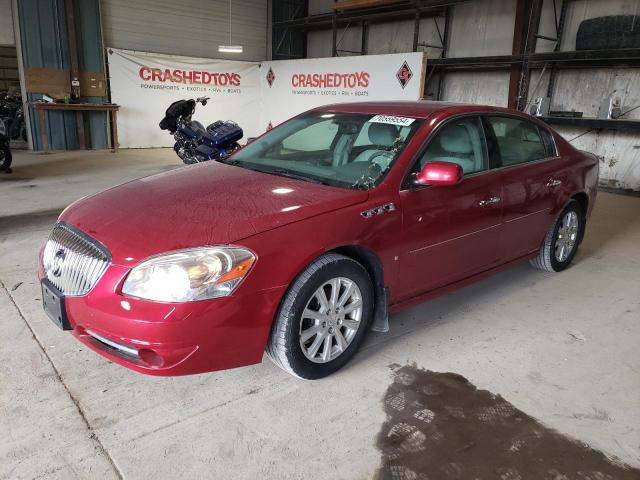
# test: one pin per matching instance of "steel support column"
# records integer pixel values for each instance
(416, 31)
(525, 29)
(334, 35)
(445, 47)
(560, 21)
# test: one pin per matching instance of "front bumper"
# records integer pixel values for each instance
(172, 338)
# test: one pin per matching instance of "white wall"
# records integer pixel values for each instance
(485, 27)
(190, 27)
(6, 23)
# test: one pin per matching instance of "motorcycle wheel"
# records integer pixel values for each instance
(14, 130)
(184, 154)
(5, 159)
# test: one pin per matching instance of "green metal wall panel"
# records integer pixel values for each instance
(91, 59)
(43, 33)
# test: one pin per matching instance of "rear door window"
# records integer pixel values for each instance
(549, 143)
(518, 141)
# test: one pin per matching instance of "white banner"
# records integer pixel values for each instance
(145, 84)
(289, 87)
(256, 96)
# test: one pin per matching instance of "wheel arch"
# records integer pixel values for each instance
(372, 264)
(583, 200)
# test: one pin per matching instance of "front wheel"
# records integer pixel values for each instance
(323, 318)
(561, 242)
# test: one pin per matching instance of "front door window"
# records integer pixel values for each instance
(460, 141)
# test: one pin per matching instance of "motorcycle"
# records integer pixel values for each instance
(194, 143)
(12, 123)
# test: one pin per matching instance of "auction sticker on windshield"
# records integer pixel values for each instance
(393, 120)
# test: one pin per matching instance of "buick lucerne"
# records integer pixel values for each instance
(312, 234)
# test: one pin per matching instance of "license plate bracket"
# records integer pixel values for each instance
(53, 304)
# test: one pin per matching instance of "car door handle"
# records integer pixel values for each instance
(489, 201)
(554, 183)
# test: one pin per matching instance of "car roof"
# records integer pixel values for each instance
(415, 109)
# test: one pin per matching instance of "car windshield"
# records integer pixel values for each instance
(340, 149)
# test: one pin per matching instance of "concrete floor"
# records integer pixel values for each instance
(563, 348)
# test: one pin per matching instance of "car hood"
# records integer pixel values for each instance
(205, 204)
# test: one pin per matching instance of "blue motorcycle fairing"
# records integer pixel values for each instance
(222, 134)
(205, 153)
(193, 130)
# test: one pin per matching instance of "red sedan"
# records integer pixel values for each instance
(309, 236)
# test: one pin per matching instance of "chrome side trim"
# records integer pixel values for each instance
(452, 239)
(130, 351)
(387, 207)
(528, 215)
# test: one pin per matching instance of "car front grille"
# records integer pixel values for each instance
(72, 261)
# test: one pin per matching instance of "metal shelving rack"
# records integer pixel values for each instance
(523, 60)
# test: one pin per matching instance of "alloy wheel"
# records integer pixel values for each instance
(567, 236)
(331, 320)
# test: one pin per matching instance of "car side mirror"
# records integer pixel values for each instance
(439, 174)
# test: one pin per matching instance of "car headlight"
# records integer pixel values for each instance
(189, 275)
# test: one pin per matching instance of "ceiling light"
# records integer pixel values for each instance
(230, 48)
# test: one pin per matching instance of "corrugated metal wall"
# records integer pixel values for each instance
(485, 27)
(188, 27)
(8, 61)
(583, 89)
(43, 33)
(6, 24)
(91, 59)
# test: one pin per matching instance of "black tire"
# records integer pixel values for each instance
(612, 32)
(284, 348)
(546, 259)
(5, 155)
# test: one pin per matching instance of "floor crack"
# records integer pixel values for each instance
(92, 433)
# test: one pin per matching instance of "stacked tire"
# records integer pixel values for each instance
(609, 33)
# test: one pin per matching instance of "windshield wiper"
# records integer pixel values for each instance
(229, 161)
(290, 174)
(283, 172)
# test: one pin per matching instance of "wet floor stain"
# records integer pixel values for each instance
(43, 219)
(440, 426)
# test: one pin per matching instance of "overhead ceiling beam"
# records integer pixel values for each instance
(400, 11)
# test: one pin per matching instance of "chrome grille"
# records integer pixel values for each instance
(72, 261)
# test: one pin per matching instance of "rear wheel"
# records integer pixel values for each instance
(5, 156)
(323, 318)
(562, 240)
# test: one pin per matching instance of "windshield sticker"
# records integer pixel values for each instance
(390, 119)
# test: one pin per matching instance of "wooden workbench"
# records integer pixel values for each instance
(79, 108)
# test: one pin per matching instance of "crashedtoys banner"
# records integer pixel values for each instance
(289, 87)
(145, 84)
(256, 96)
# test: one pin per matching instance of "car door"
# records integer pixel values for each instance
(531, 179)
(450, 233)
